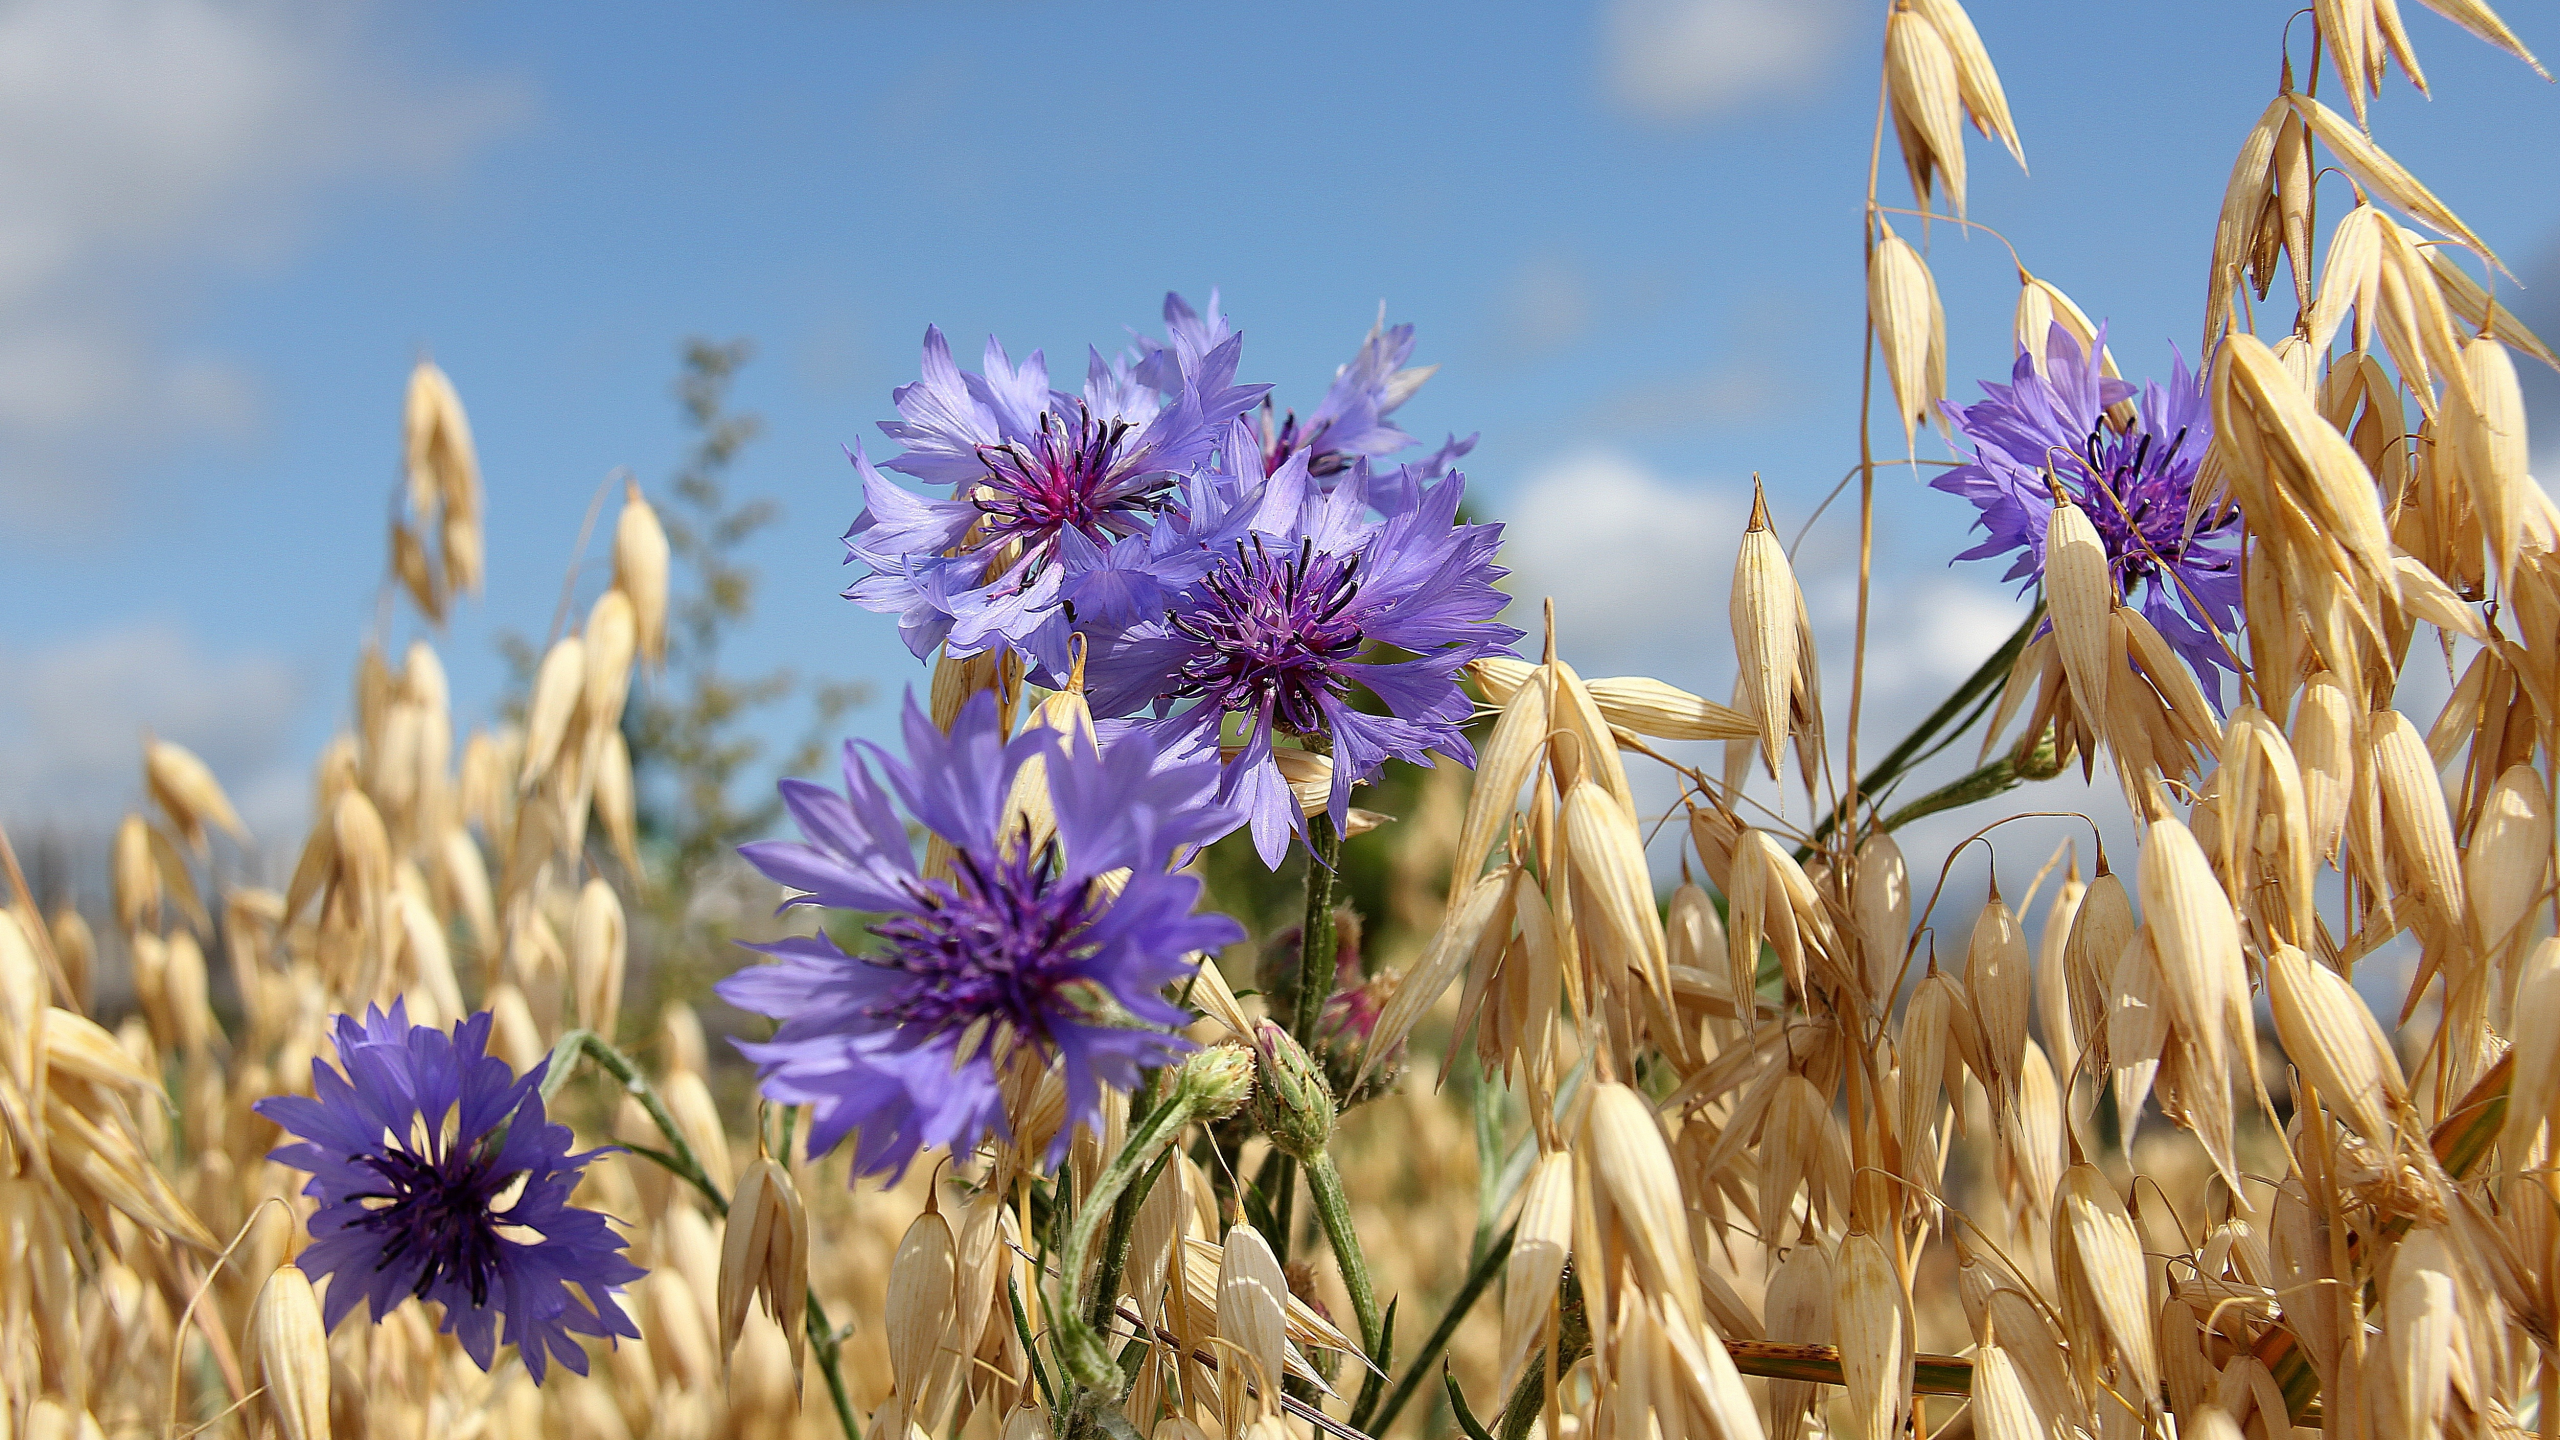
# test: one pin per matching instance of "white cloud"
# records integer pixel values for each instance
(73, 716)
(1676, 60)
(1637, 566)
(147, 146)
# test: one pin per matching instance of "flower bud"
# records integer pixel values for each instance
(1291, 1103)
(1218, 1079)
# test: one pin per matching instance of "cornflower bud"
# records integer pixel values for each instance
(1291, 1103)
(1218, 1079)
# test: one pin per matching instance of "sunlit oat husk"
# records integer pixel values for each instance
(1502, 767)
(2081, 595)
(1577, 711)
(2507, 867)
(610, 639)
(1251, 1296)
(557, 688)
(1873, 1316)
(640, 570)
(1631, 1167)
(2383, 175)
(597, 957)
(1764, 625)
(2334, 1040)
(289, 1352)
(1976, 80)
(689, 1100)
(1543, 1236)
(921, 1298)
(134, 875)
(2194, 934)
(2350, 278)
(1617, 890)
(1997, 983)
(615, 804)
(1928, 1062)
(2137, 1029)
(2420, 1325)
(2534, 1092)
(1881, 901)
(186, 791)
(1798, 1310)
(2053, 971)
(2001, 1410)
(2099, 1265)
(1666, 712)
(2421, 832)
(1928, 106)
(2488, 437)
(1902, 305)
(2242, 198)
(1470, 937)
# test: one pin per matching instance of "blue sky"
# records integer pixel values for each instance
(1629, 231)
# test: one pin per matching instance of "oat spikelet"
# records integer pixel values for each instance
(1910, 323)
(640, 570)
(1874, 1319)
(2336, 1043)
(1928, 106)
(289, 1355)
(764, 1256)
(188, 794)
(1764, 631)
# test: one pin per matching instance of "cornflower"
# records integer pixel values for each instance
(439, 1177)
(1026, 954)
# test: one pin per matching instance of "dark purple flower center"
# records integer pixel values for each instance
(998, 943)
(1284, 439)
(437, 1209)
(2135, 491)
(1273, 634)
(1066, 478)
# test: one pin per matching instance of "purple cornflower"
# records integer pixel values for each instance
(1295, 585)
(2134, 484)
(1348, 427)
(1022, 952)
(438, 1176)
(1040, 480)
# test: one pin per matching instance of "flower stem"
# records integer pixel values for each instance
(1317, 939)
(679, 1160)
(1077, 1341)
(1333, 1207)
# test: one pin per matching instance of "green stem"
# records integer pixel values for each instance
(1527, 1399)
(679, 1160)
(1992, 672)
(2001, 775)
(1077, 1342)
(1317, 939)
(1478, 1281)
(1124, 1213)
(1333, 1207)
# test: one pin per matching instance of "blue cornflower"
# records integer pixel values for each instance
(2135, 483)
(1348, 427)
(1295, 586)
(1039, 479)
(1024, 952)
(438, 1176)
